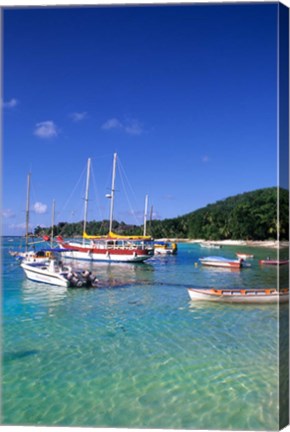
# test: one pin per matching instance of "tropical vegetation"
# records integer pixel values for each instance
(247, 216)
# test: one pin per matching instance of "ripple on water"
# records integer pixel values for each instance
(141, 355)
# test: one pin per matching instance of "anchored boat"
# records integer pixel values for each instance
(216, 261)
(111, 247)
(244, 256)
(55, 273)
(165, 248)
(257, 296)
(273, 262)
(210, 245)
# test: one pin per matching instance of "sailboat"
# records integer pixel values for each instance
(30, 255)
(111, 247)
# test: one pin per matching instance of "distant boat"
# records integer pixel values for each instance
(165, 248)
(210, 245)
(273, 262)
(213, 261)
(244, 255)
(39, 257)
(110, 247)
(256, 296)
(54, 273)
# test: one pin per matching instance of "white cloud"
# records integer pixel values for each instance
(78, 116)
(46, 129)
(40, 208)
(134, 127)
(112, 123)
(7, 213)
(131, 126)
(10, 104)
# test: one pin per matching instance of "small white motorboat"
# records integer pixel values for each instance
(257, 296)
(216, 261)
(55, 273)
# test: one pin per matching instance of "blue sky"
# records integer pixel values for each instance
(186, 95)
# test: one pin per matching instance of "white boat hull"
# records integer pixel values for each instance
(225, 264)
(38, 274)
(162, 251)
(113, 255)
(258, 296)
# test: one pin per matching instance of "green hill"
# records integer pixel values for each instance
(247, 216)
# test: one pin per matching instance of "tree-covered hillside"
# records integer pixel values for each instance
(247, 216)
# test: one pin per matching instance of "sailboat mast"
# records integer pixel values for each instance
(87, 196)
(27, 210)
(52, 222)
(145, 215)
(112, 196)
(151, 214)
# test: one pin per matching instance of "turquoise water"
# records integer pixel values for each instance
(136, 352)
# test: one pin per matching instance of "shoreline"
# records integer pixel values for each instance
(249, 243)
(274, 244)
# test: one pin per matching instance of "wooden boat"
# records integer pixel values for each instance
(273, 262)
(213, 261)
(111, 247)
(55, 273)
(244, 256)
(256, 296)
(165, 248)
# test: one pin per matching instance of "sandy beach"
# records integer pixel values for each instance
(257, 243)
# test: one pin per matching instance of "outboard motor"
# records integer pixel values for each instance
(89, 277)
(75, 280)
(69, 276)
(94, 281)
(79, 283)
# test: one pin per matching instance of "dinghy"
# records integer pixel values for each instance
(244, 256)
(257, 296)
(216, 261)
(273, 262)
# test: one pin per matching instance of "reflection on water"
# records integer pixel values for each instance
(116, 274)
(36, 292)
(138, 353)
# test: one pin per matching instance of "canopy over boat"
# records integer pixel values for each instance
(112, 235)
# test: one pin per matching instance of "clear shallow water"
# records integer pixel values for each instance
(136, 352)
